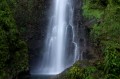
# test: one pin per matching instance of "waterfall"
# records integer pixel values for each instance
(61, 48)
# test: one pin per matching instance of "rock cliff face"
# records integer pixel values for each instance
(36, 28)
(82, 27)
(32, 19)
(81, 30)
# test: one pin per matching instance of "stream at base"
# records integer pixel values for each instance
(43, 77)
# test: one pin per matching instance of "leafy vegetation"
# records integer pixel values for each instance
(78, 72)
(105, 36)
(13, 50)
(108, 34)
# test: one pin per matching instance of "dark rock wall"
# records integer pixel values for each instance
(81, 30)
(82, 26)
(32, 19)
(37, 28)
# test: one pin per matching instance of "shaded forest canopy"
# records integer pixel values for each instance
(104, 38)
(13, 50)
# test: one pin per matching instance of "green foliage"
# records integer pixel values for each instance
(13, 50)
(88, 72)
(93, 8)
(74, 73)
(106, 34)
(78, 72)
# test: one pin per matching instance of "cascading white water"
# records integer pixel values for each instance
(56, 56)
